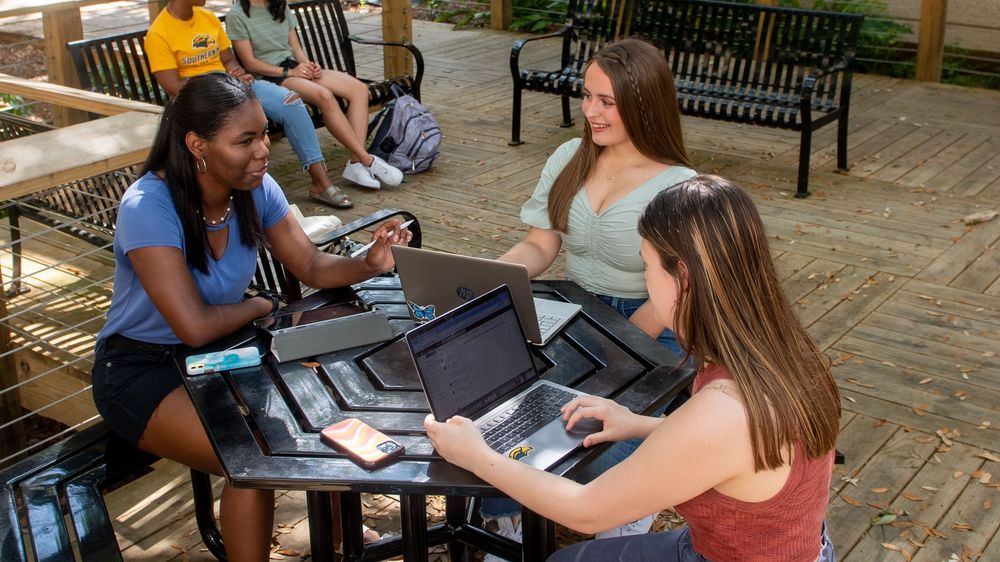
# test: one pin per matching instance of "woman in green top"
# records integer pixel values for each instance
(263, 35)
(593, 189)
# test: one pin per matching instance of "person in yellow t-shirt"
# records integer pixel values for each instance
(187, 40)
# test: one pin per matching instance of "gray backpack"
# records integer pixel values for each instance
(406, 135)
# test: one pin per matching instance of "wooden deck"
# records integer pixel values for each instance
(903, 296)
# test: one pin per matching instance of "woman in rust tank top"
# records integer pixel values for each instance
(747, 460)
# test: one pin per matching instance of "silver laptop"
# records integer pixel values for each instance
(436, 282)
(475, 362)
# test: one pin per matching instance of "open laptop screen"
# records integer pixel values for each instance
(472, 356)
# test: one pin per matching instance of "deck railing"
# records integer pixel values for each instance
(47, 328)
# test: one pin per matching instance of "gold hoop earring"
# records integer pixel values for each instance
(203, 168)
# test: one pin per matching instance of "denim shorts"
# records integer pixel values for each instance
(130, 379)
(626, 307)
(668, 546)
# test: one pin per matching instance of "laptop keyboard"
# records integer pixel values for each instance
(547, 322)
(537, 408)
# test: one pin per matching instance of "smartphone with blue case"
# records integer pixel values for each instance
(222, 360)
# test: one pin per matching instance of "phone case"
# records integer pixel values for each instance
(365, 444)
(222, 361)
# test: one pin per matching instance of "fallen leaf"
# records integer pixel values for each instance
(926, 380)
(989, 354)
(861, 384)
(890, 546)
(851, 500)
(965, 527)
(879, 490)
(936, 533)
(925, 439)
(985, 478)
(919, 409)
(309, 364)
(982, 216)
(987, 503)
(930, 488)
(957, 474)
(883, 518)
(912, 497)
(944, 437)
(987, 455)
(914, 542)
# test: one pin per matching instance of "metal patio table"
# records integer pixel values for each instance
(265, 422)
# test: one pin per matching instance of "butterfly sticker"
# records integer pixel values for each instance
(421, 313)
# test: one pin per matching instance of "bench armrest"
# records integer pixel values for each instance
(418, 57)
(841, 66)
(336, 236)
(809, 82)
(515, 51)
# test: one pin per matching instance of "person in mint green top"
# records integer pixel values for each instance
(588, 200)
(264, 37)
(600, 247)
(592, 189)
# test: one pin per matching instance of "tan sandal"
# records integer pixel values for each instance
(333, 197)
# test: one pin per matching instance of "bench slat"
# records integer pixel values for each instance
(91, 522)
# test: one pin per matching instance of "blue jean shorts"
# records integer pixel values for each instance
(627, 307)
(130, 379)
(669, 546)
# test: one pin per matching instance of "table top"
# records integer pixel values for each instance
(265, 421)
(47, 159)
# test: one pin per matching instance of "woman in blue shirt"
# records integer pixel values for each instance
(185, 250)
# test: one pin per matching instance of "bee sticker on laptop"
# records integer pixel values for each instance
(421, 313)
(519, 453)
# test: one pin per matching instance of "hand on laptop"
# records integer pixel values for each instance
(457, 440)
(389, 233)
(619, 422)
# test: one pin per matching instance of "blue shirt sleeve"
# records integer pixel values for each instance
(147, 217)
(271, 203)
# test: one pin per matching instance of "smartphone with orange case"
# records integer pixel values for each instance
(368, 446)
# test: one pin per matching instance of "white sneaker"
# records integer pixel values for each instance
(382, 170)
(505, 528)
(640, 527)
(360, 174)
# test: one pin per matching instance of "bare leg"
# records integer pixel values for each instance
(175, 432)
(317, 177)
(350, 132)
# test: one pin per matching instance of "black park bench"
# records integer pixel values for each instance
(117, 65)
(54, 507)
(747, 63)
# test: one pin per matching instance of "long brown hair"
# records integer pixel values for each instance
(647, 102)
(735, 314)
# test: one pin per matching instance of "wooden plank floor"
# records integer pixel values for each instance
(902, 295)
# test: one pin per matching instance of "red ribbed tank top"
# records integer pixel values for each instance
(785, 527)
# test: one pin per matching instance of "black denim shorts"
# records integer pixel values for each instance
(130, 380)
(288, 63)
